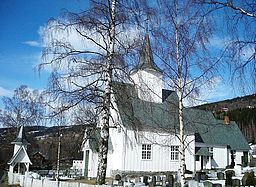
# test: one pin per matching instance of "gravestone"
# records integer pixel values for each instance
(137, 180)
(158, 178)
(164, 181)
(169, 179)
(207, 184)
(235, 182)
(192, 183)
(198, 176)
(158, 181)
(128, 184)
(118, 177)
(139, 184)
(203, 176)
(153, 182)
(217, 185)
(220, 176)
(145, 180)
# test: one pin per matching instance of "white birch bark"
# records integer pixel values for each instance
(180, 109)
(103, 146)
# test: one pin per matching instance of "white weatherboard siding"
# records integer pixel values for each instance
(149, 85)
(127, 153)
(116, 154)
(92, 164)
(160, 157)
(220, 157)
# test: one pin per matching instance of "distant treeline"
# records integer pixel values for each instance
(245, 118)
(242, 110)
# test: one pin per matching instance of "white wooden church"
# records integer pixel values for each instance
(145, 140)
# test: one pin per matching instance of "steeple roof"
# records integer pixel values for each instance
(21, 156)
(21, 138)
(146, 57)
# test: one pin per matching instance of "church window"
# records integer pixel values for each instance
(174, 153)
(146, 152)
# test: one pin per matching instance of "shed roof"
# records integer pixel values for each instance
(203, 151)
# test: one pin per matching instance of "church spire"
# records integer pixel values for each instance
(146, 57)
(21, 138)
(147, 76)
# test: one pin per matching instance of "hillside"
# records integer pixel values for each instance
(248, 101)
(44, 140)
(240, 109)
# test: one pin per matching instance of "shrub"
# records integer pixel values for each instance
(248, 179)
(229, 175)
(228, 181)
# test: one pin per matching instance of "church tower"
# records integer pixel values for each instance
(20, 141)
(20, 155)
(147, 76)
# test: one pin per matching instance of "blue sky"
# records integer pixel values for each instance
(20, 50)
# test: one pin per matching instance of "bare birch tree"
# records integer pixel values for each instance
(239, 27)
(181, 30)
(25, 107)
(84, 70)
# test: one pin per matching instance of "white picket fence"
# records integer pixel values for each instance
(22, 180)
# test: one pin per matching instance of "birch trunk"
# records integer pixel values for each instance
(103, 144)
(180, 109)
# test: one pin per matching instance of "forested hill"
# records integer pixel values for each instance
(44, 140)
(240, 109)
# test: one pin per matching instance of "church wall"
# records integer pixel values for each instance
(93, 164)
(149, 85)
(219, 158)
(160, 160)
(128, 156)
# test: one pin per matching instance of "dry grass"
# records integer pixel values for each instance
(91, 181)
(86, 181)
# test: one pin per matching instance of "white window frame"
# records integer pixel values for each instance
(146, 151)
(174, 153)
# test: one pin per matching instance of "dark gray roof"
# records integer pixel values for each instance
(146, 58)
(144, 115)
(203, 151)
